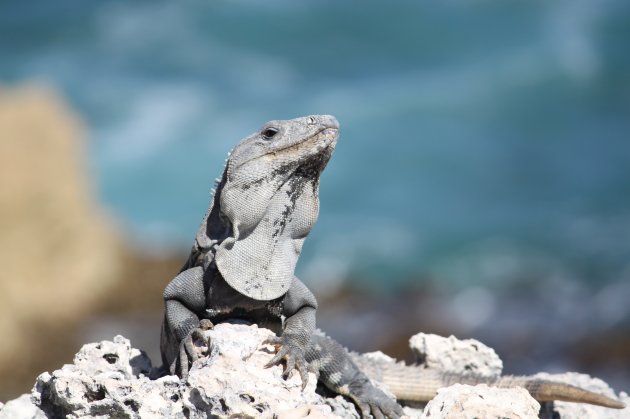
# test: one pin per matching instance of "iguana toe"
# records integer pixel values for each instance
(193, 347)
(293, 356)
(372, 401)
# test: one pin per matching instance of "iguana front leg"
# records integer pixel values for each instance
(341, 375)
(299, 307)
(183, 297)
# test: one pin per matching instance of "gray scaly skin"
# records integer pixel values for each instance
(242, 266)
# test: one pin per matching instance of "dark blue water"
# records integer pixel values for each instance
(483, 143)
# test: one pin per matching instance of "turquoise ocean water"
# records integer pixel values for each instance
(483, 142)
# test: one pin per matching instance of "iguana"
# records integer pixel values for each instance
(242, 266)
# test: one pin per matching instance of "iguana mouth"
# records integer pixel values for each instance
(311, 165)
(321, 140)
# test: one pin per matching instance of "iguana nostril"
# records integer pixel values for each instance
(311, 120)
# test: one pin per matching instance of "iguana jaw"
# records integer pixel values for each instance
(295, 141)
(311, 154)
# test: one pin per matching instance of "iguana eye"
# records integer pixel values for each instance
(268, 133)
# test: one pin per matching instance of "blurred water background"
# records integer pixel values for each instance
(481, 185)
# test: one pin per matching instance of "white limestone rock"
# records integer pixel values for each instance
(111, 378)
(461, 401)
(451, 355)
(108, 378)
(233, 380)
(22, 407)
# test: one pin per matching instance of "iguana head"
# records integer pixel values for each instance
(267, 202)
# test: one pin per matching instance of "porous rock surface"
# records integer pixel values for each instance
(452, 355)
(111, 379)
(461, 401)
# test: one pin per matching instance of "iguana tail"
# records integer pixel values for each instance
(547, 390)
(416, 383)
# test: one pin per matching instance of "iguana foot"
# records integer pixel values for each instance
(372, 401)
(293, 356)
(194, 346)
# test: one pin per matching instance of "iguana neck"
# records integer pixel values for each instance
(214, 228)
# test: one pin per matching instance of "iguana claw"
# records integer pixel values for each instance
(191, 348)
(372, 401)
(293, 356)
